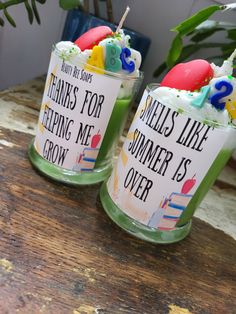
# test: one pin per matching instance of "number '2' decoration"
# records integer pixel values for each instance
(225, 89)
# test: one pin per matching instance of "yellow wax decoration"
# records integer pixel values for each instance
(116, 180)
(96, 60)
(41, 127)
(231, 107)
(36, 145)
(124, 157)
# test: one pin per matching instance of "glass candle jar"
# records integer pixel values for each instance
(83, 113)
(166, 166)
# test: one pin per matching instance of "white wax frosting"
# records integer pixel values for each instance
(180, 100)
(120, 39)
(71, 52)
(68, 50)
(226, 68)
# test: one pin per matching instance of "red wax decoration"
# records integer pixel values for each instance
(189, 76)
(188, 184)
(95, 140)
(92, 37)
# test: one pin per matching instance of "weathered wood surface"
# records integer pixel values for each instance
(60, 253)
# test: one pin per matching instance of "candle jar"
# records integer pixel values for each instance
(83, 113)
(166, 166)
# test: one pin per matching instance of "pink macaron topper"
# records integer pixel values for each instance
(189, 76)
(92, 37)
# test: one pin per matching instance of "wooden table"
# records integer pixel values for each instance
(60, 253)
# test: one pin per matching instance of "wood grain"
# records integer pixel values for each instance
(60, 253)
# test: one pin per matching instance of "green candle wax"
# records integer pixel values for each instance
(205, 185)
(113, 131)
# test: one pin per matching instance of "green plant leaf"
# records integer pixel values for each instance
(162, 67)
(226, 25)
(208, 24)
(232, 33)
(192, 22)
(205, 34)
(190, 49)
(187, 51)
(29, 11)
(175, 51)
(208, 28)
(9, 18)
(211, 24)
(69, 4)
(228, 48)
(217, 60)
(35, 10)
(198, 29)
(1, 22)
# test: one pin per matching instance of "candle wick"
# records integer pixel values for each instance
(122, 19)
(232, 57)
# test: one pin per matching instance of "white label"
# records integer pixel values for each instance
(163, 160)
(76, 108)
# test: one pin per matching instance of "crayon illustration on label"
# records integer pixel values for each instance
(164, 159)
(76, 108)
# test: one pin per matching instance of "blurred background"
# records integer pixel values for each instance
(25, 50)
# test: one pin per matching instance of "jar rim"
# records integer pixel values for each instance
(150, 88)
(120, 76)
